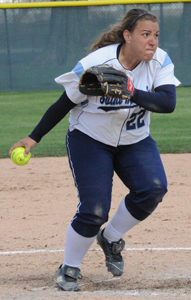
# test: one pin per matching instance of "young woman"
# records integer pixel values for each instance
(106, 135)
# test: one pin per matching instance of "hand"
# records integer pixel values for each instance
(104, 80)
(27, 143)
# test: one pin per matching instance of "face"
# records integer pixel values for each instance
(143, 41)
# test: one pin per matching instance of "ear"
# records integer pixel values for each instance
(127, 36)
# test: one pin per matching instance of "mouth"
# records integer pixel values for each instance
(151, 50)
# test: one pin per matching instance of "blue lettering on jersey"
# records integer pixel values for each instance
(109, 103)
(136, 120)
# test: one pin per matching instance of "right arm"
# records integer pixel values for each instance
(55, 113)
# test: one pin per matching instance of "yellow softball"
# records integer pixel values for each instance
(18, 157)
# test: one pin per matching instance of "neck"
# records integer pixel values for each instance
(126, 58)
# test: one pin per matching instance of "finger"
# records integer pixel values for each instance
(18, 144)
(13, 147)
(27, 150)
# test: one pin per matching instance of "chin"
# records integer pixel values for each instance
(148, 57)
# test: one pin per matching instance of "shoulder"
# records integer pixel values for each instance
(161, 58)
(100, 56)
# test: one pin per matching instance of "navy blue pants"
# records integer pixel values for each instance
(93, 164)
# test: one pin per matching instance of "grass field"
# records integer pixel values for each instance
(21, 111)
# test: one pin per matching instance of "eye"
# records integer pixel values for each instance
(145, 34)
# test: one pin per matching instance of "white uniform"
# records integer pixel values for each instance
(111, 120)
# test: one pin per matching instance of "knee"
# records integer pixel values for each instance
(99, 215)
(153, 193)
(88, 224)
(141, 204)
(158, 190)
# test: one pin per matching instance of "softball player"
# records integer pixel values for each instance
(108, 135)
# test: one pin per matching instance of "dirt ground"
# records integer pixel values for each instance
(37, 202)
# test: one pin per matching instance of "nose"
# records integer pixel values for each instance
(153, 40)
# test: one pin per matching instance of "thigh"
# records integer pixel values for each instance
(91, 163)
(139, 165)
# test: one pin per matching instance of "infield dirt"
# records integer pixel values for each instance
(39, 200)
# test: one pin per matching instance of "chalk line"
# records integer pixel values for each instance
(33, 251)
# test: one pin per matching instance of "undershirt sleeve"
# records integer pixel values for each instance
(55, 113)
(163, 100)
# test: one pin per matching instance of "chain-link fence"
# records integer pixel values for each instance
(38, 44)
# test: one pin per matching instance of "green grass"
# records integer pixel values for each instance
(21, 111)
(172, 132)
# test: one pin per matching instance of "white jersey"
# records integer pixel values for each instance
(111, 120)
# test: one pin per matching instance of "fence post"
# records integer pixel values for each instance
(8, 50)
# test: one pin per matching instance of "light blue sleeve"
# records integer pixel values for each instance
(78, 69)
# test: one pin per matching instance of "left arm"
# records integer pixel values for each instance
(163, 100)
